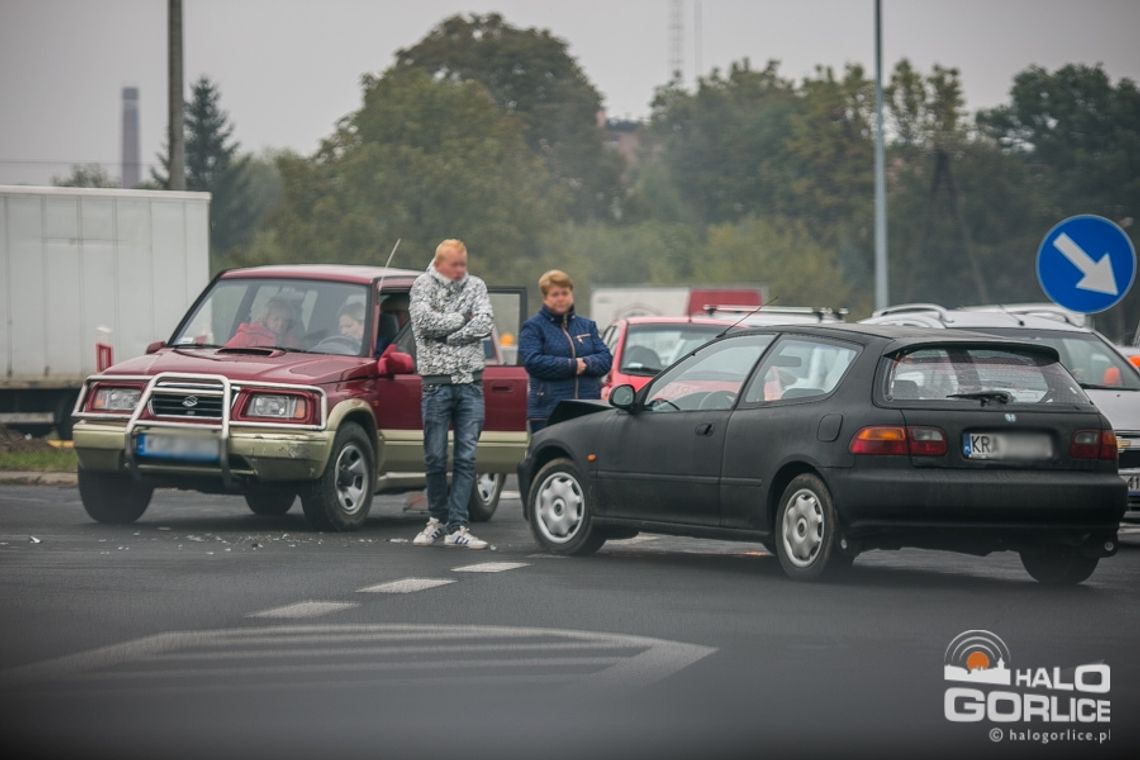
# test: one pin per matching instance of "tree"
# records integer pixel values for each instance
(722, 146)
(423, 159)
(532, 76)
(86, 175)
(215, 165)
(1078, 136)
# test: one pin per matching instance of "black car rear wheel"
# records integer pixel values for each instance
(270, 500)
(1059, 566)
(110, 497)
(806, 531)
(559, 512)
(341, 497)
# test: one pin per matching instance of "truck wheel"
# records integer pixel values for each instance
(113, 498)
(341, 497)
(806, 529)
(1059, 566)
(485, 496)
(559, 513)
(64, 425)
(270, 500)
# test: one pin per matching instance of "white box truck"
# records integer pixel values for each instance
(77, 264)
(608, 303)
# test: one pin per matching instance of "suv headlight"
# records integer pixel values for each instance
(278, 406)
(116, 399)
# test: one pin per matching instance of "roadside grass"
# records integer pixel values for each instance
(42, 460)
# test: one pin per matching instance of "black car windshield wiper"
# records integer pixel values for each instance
(1003, 396)
(1098, 387)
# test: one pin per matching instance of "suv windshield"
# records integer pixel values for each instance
(296, 315)
(972, 375)
(1091, 360)
(651, 348)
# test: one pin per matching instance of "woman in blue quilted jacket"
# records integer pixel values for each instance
(561, 351)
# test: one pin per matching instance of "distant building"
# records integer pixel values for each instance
(130, 155)
(624, 136)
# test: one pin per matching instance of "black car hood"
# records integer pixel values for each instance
(569, 409)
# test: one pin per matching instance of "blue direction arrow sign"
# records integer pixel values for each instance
(1086, 263)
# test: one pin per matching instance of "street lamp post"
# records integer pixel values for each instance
(882, 298)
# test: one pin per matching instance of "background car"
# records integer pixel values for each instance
(822, 442)
(643, 346)
(1109, 379)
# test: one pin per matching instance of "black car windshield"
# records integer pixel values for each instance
(1088, 356)
(651, 348)
(973, 375)
(296, 315)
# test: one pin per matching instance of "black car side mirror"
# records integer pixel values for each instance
(623, 397)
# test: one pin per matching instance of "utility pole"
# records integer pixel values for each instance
(676, 41)
(697, 44)
(176, 136)
(882, 297)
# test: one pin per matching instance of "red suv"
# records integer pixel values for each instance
(643, 346)
(286, 381)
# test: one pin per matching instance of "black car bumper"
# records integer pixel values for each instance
(980, 510)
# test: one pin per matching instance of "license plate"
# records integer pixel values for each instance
(184, 448)
(1006, 446)
(1133, 479)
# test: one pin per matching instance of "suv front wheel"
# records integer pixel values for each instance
(340, 499)
(110, 497)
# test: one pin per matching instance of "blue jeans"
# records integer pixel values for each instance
(459, 407)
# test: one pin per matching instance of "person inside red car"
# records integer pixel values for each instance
(274, 328)
(561, 351)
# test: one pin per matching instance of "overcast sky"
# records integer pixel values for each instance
(288, 69)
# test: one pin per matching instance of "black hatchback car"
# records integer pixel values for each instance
(823, 442)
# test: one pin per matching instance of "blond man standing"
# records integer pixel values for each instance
(451, 315)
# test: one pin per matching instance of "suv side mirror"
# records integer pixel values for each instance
(153, 347)
(395, 363)
(623, 397)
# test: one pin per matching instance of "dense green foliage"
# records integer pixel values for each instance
(489, 132)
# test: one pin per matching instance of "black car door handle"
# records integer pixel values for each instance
(705, 428)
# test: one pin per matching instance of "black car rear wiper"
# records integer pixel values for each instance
(1003, 396)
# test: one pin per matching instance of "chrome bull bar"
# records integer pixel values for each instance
(194, 384)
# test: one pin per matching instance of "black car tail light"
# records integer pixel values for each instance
(1093, 444)
(896, 440)
(927, 441)
(880, 440)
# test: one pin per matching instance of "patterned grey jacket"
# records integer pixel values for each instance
(450, 319)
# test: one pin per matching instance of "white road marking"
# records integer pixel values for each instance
(597, 657)
(510, 495)
(406, 586)
(489, 567)
(304, 610)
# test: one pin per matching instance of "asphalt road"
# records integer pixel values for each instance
(203, 630)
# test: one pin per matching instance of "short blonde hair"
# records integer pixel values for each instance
(451, 244)
(555, 278)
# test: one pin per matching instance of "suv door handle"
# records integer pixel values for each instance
(705, 428)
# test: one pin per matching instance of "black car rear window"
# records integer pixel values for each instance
(967, 374)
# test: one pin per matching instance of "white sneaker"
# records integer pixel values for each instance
(463, 537)
(431, 533)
